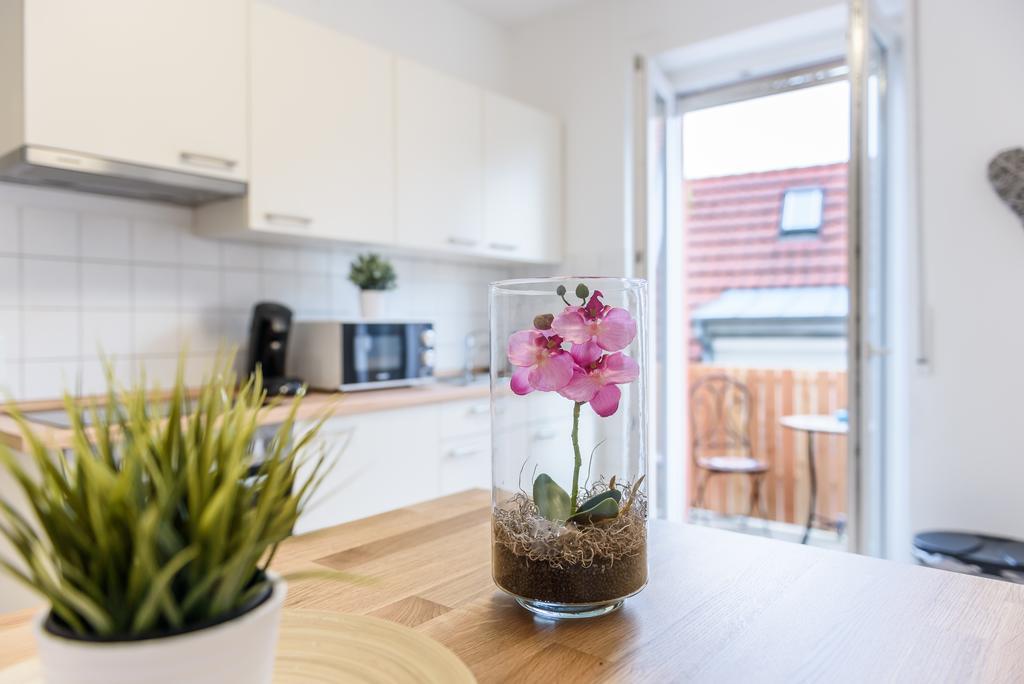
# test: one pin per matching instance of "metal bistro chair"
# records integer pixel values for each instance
(720, 414)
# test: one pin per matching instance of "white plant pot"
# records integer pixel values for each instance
(371, 303)
(239, 650)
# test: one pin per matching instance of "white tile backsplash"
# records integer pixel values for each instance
(10, 236)
(10, 334)
(279, 258)
(197, 251)
(106, 237)
(49, 232)
(157, 331)
(156, 287)
(156, 242)
(51, 335)
(80, 274)
(10, 279)
(106, 285)
(10, 379)
(200, 289)
(240, 255)
(202, 332)
(314, 260)
(281, 286)
(48, 379)
(107, 334)
(240, 289)
(50, 282)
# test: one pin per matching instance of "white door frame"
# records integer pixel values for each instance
(656, 135)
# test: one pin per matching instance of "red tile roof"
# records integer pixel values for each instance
(733, 238)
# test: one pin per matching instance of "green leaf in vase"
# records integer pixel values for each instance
(552, 501)
(603, 506)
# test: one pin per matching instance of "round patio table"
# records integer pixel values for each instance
(829, 425)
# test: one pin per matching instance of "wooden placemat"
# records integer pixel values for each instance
(320, 646)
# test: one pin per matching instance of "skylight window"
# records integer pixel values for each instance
(802, 211)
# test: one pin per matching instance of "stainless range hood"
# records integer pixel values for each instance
(51, 167)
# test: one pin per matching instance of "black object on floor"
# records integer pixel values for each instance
(977, 554)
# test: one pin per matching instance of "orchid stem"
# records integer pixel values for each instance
(578, 463)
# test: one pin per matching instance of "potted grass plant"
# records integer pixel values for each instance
(373, 275)
(150, 538)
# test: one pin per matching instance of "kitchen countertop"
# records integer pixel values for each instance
(313, 405)
(720, 607)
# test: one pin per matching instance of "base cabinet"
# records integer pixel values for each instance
(386, 460)
(376, 462)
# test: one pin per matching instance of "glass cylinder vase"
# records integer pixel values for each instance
(569, 442)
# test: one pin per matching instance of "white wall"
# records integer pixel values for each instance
(578, 63)
(966, 443)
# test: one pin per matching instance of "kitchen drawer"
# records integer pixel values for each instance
(466, 418)
(465, 464)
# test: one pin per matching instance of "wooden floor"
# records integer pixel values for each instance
(721, 607)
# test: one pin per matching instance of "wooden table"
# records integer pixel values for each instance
(721, 607)
(829, 425)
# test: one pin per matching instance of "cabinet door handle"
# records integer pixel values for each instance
(504, 246)
(463, 453)
(461, 241)
(544, 435)
(207, 161)
(288, 219)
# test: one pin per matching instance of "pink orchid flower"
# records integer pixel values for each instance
(612, 328)
(542, 363)
(595, 376)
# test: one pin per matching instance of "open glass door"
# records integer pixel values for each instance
(870, 40)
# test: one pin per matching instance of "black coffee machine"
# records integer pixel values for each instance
(268, 346)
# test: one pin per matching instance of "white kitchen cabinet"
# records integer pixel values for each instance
(440, 449)
(440, 160)
(149, 82)
(522, 181)
(374, 467)
(465, 464)
(322, 137)
(465, 418)
(465, 451)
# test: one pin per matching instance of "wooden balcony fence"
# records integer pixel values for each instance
(776, 393)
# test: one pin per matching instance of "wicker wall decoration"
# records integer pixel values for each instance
(1006, 174)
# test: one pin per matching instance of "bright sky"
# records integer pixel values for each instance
(804, 127)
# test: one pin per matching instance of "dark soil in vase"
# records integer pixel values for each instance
(603, 580)
(535, 559)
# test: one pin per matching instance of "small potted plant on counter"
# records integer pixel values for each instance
(569, 528)
(151, 536)
(373, 275)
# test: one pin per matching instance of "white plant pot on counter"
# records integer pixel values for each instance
(239, 650)
(371, 303)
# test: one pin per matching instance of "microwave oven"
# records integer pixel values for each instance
(359, 355)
